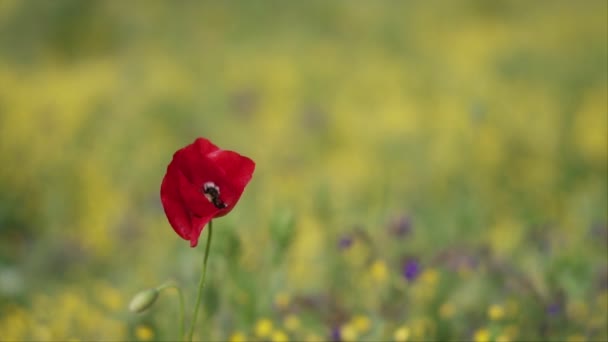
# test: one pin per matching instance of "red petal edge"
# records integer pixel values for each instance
(175, 209)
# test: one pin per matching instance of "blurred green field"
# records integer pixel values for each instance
(425, 170)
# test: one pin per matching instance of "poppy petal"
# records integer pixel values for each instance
(198, 223)
(194, 200)
(204, 146)
(173, 204)
(198, 169)
(237, 168)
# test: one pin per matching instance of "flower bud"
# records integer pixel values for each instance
(143, 300)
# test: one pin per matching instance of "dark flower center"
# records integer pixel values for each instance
(212, 193)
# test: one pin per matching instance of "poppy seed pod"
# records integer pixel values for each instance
(143, 300)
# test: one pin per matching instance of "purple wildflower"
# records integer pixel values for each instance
(345, 242)
(411, 269)
(553, 309)
(599, 232)
(335, 334)
(401, 226)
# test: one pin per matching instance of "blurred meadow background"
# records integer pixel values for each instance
(425, 170)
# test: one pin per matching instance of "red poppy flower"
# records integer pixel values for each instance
(202, 182)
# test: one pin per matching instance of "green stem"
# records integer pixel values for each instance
(201, 282)
(173, 285)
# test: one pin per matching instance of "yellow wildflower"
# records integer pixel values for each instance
(402, 334)
(496, 312)
(144, 333)
(263, 328)
(348, 332)
(238, 336)
(430, 277)
(446, 310)
(314, 338)
(281, 300)
(577, 338)
(291, 322)
(503, 338)
(379, 271)
(279, 336)
(361, 323)
(481, 335)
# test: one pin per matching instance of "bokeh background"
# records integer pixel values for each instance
(425, 170)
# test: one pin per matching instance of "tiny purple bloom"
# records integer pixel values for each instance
(401, 226)
(553, 309)
(335, 334)
(411, 269)
(599, 232)
(345, 242)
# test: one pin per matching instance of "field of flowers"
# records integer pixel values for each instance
(425, 170)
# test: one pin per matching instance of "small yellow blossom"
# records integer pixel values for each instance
(313, 338)
(291, 322)
(348, 332)
(496, 312)
(263, 328)
(577, 338)
(602, 299)
(503, 338)
(511, 331)
(577, 310)
(110, 297)
(402, 334)
(430, 277)
(144, 333)
(361, 323)
(41, 332)
(481, 335)
(279, 336)
(446, 310)
(379, 271)
(238, 336)
(420, 328)
(281, 300)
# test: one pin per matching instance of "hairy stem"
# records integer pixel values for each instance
(201, 283)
